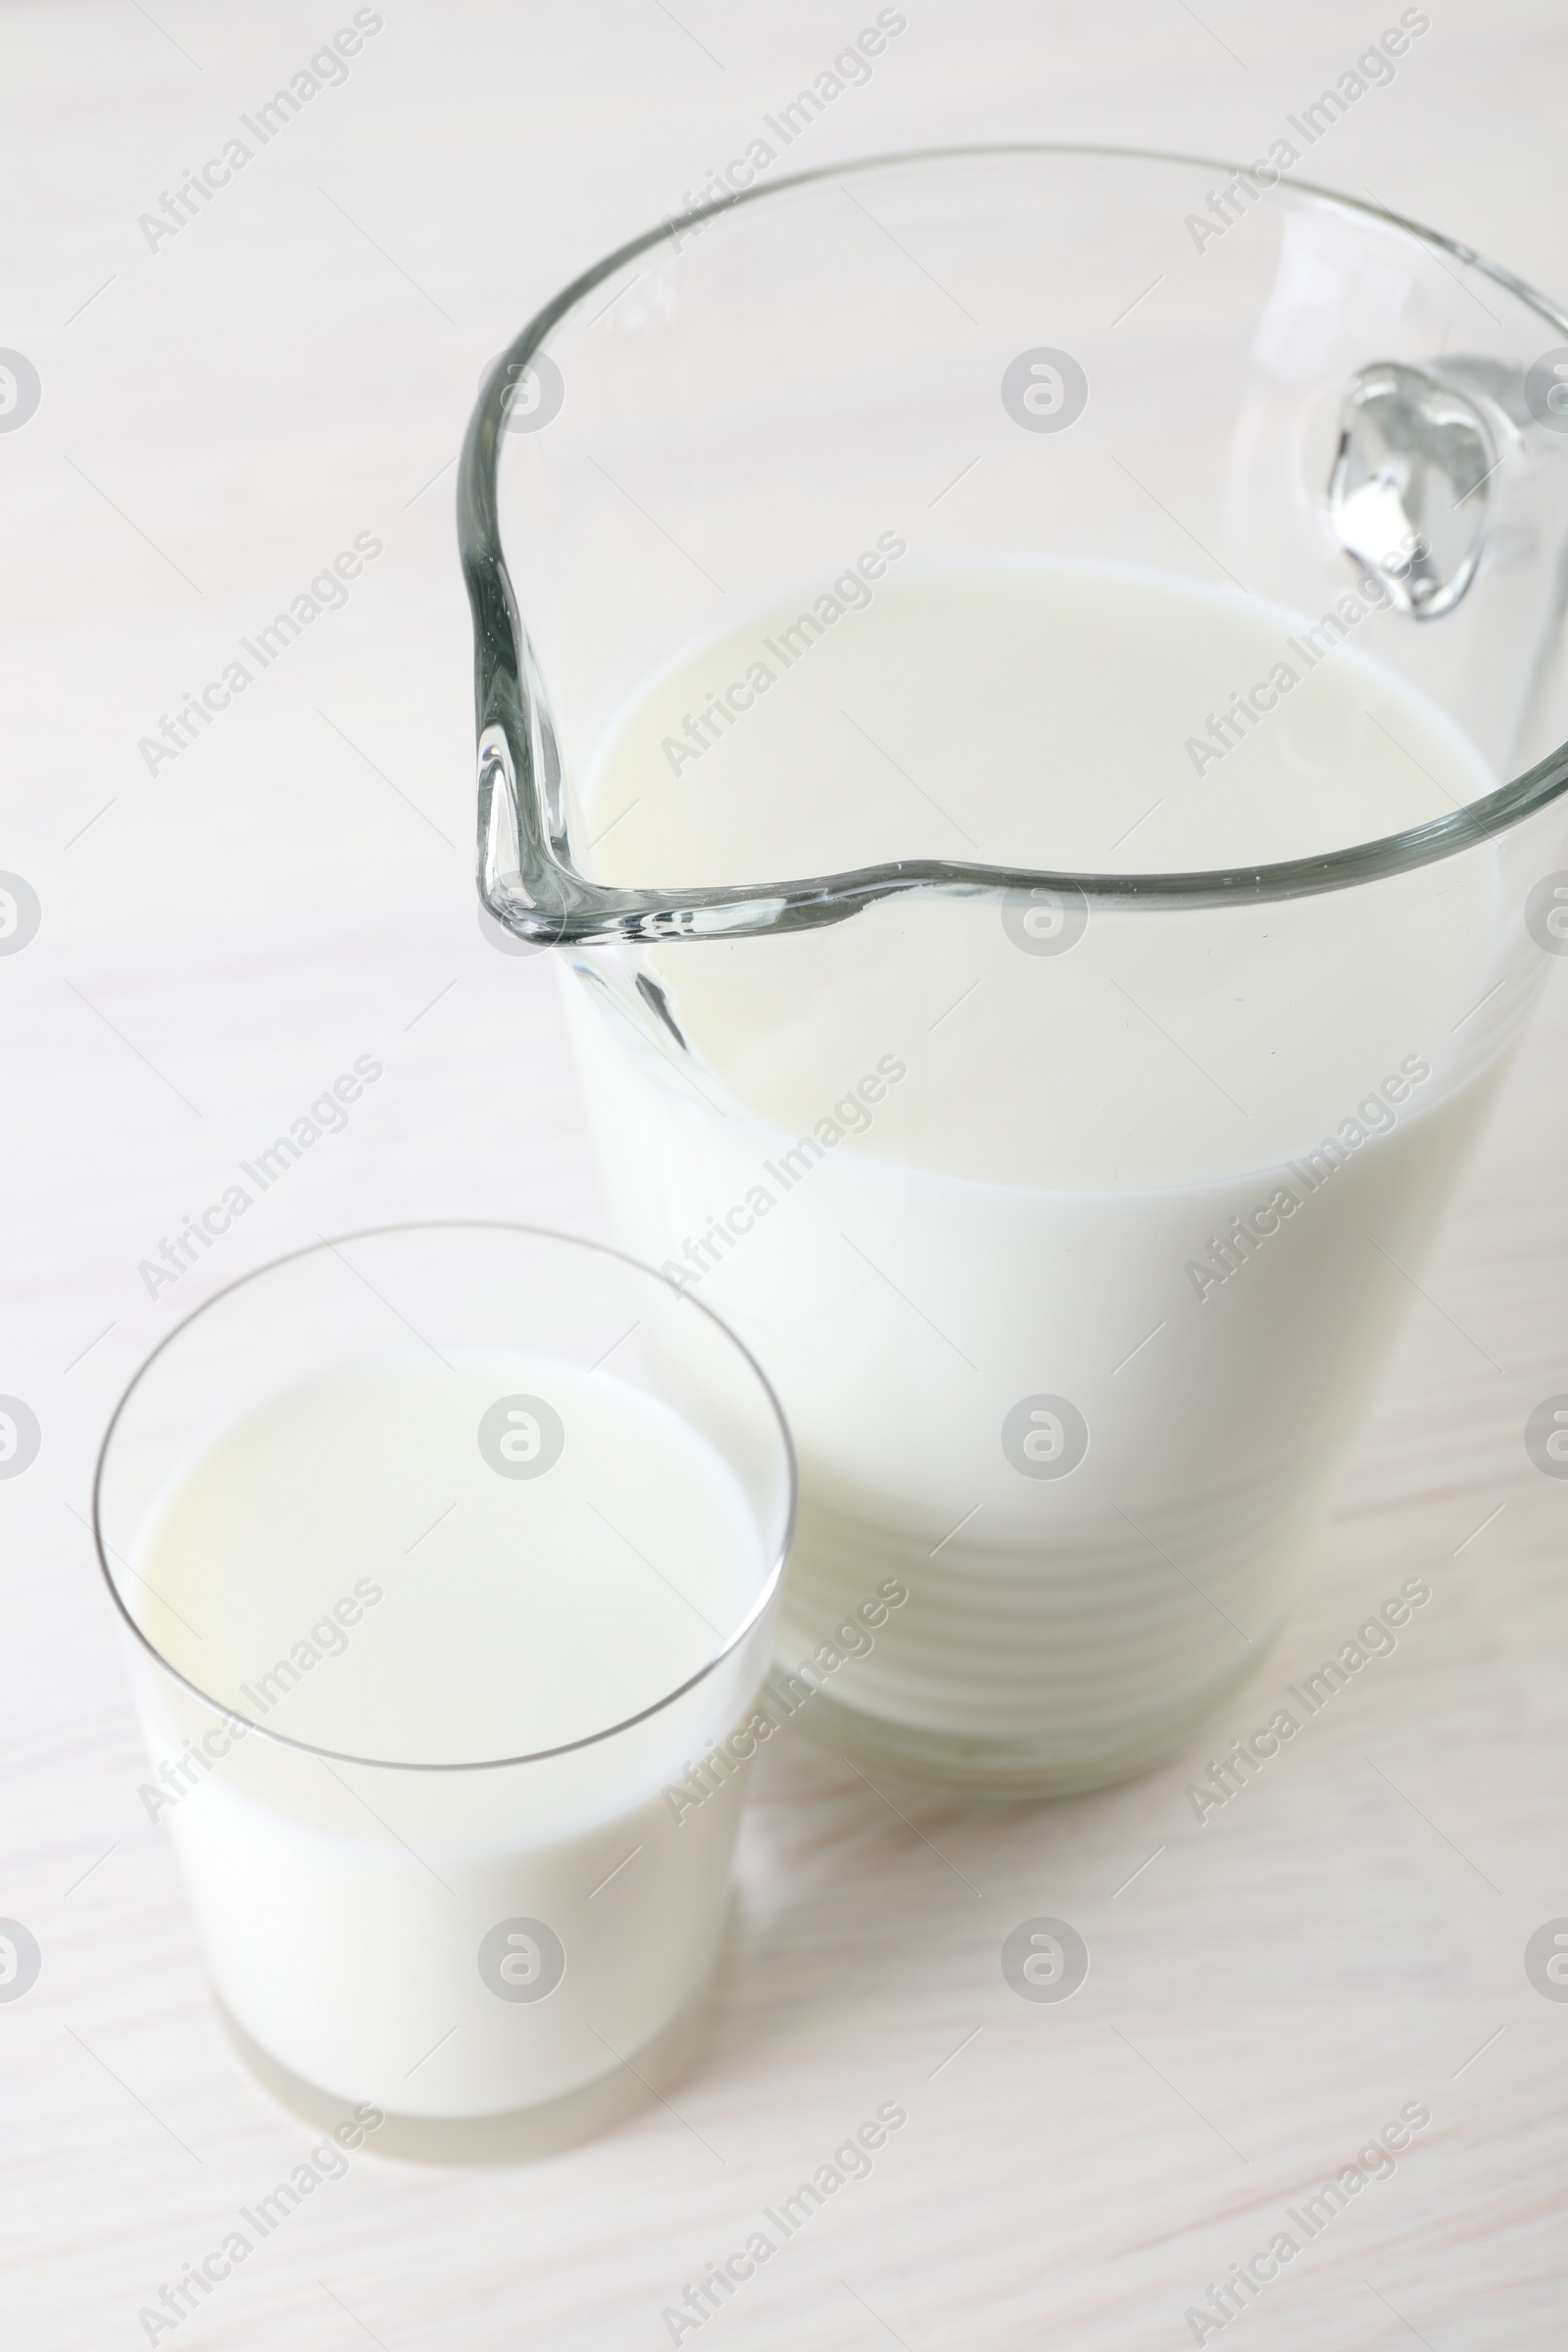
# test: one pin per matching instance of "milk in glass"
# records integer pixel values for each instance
(429, 1567)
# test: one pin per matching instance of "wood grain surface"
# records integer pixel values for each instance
(223, 411)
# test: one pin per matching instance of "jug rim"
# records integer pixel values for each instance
(527, 876)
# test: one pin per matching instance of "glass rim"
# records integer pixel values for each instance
(331, 1242)
(527, 878)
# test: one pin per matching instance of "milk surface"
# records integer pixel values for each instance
(952, 1162)
(490, 1615)
(350, 1568)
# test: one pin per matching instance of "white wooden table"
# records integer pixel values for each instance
(223, 409)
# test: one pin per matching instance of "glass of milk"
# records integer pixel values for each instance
(1025, 690)
(449, 1552)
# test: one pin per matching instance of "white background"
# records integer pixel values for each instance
(219, 419)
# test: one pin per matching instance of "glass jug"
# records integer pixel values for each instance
(1023, 688)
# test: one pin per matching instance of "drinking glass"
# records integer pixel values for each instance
(492, 1928)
